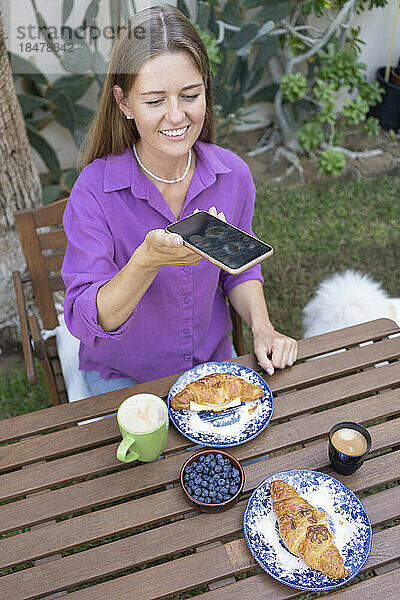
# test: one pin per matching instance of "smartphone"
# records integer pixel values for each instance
(223, 244)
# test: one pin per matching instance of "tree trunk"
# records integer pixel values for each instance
(19, 185)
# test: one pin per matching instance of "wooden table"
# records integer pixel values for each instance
(88, 528)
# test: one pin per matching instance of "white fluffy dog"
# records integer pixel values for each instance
(347, 299)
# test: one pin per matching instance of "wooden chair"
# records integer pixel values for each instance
(43, 242)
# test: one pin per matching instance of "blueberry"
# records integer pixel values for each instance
(212, 493)
(197, 480)
(201, 458)
(211, 486)
(235, 472)
(221, 481)
(197, 491)
(194, 496)
(226, 497)
(189, 489)
(207, 500)
(199, 468)
(205, 492)
(219, 497)
(233, 489)
(227, 461)
(193, 465)
(227, 469)
(218, 468)
(200, 499)
(219, 457)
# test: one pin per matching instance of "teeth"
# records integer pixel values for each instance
(175, 132)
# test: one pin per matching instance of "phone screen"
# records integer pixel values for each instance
(224, 244)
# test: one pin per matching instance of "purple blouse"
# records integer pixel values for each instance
(182, 319)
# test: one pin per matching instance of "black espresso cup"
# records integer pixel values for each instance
(347, 464)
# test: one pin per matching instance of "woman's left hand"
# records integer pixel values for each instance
(274, 350)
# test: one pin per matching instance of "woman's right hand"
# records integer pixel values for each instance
(161, 248)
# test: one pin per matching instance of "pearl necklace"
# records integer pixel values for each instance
(160, 178)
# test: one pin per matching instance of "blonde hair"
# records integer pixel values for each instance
(164, 29)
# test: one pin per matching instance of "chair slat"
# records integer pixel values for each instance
(50, 214)
(52, 239)
(34, 259)
(53, 262)
(56, 283)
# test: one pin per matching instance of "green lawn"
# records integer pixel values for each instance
(320, 229)
(316, 230)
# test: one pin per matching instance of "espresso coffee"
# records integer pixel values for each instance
(349, 441)
(142, 413)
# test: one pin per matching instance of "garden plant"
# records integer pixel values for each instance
(249, 44)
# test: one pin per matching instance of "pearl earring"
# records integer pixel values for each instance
(130, 117)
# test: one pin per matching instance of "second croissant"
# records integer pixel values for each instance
(305, 531)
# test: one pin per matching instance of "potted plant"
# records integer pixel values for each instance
(388, 111)
(395, 75)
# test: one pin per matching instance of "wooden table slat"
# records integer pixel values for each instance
(130, 515)
(123, 484)
(147, 524)
(379, 588)
(349, 336)
(264, 587)
(103, 459)
(68, 500)
(18, 483)
(106, 430)
(40, 421)
(186, 573)
(333, 366)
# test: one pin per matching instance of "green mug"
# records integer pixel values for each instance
(143, 422)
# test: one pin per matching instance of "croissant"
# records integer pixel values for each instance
(216, 389)
(305, 531)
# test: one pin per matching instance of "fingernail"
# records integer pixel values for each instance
(270, 371)
(176, 240)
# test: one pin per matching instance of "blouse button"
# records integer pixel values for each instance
(186, 269)
(186, 330)
(187, 357)
(187, 300)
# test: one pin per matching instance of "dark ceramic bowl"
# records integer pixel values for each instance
(217, 506)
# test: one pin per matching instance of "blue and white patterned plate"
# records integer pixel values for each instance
(230, 427)
(347, 519)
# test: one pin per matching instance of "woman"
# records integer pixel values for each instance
(143, 305)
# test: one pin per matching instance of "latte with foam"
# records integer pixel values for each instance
(142, 413)
(349, 441)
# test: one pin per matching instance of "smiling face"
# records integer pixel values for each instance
(169, 104)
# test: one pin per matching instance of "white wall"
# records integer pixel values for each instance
(376, 30)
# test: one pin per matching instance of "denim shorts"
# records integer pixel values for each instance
(98, 385)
